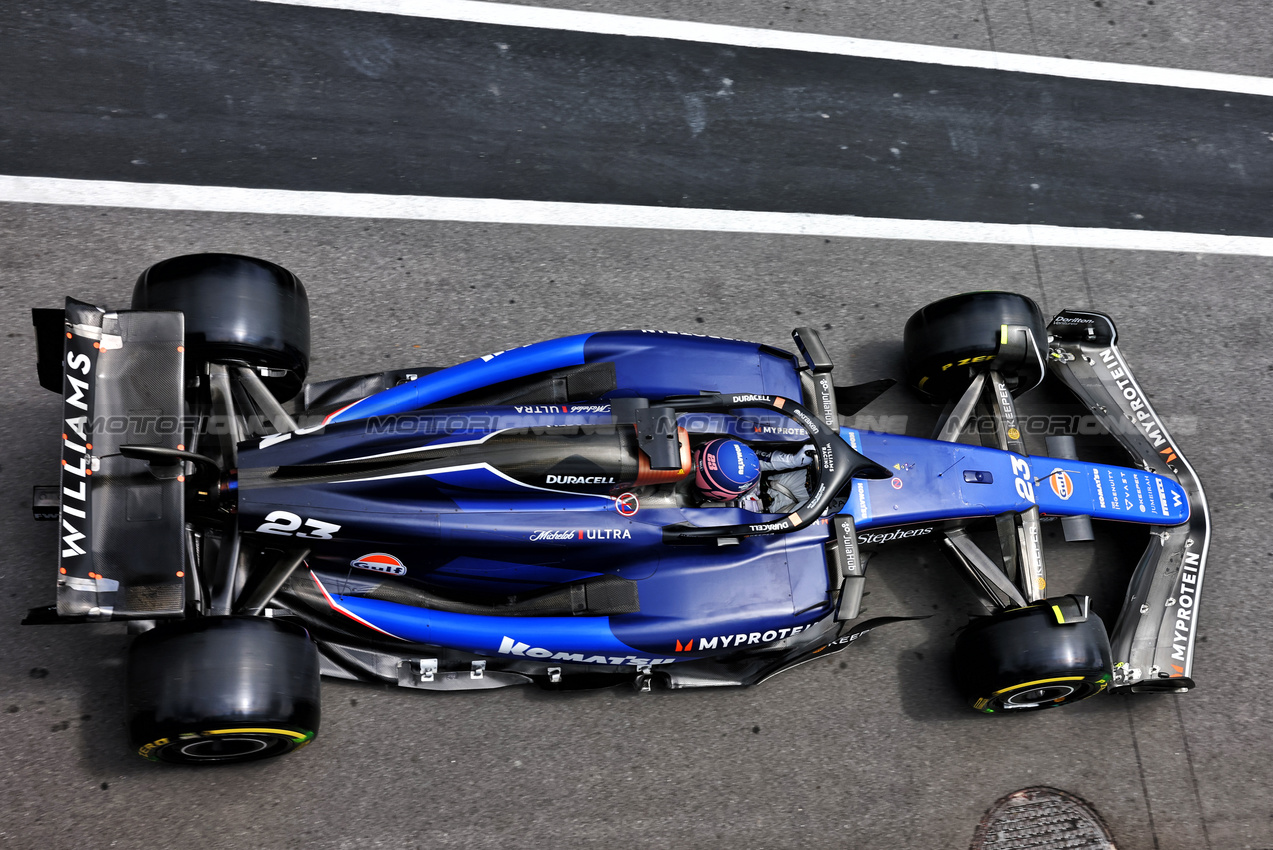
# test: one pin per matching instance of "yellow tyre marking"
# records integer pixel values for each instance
(1056, 609)
(298, 736)
(1040, 682)
(1003, 334)
(144, 749)
(301, 738)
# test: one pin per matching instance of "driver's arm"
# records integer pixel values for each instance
(782, 461)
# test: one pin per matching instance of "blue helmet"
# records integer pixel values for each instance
(725, 469)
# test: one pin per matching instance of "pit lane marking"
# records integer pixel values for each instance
(167, 196)
(508, 14)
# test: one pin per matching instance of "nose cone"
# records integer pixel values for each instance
(1174, 500)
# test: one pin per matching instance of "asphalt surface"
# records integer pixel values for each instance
(267, 96)
(870, 749)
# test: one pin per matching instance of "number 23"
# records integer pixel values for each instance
(286, 523)
(1021, 470)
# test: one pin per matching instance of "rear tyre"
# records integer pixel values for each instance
(221, 690)
(238, 309)
(949, 341)
(1024, 660)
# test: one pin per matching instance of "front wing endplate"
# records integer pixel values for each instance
(1153, 640)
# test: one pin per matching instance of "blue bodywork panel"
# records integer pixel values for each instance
(1108, 492)
(647, 363)
(937, 481)
(693, 602)
(439, 490)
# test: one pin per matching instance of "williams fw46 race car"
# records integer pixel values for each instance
(619, 507)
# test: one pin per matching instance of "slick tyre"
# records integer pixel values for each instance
(1024, 660)
(238, 310)
(222, 690)
(949, 341)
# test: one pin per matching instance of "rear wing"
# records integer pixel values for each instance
(1153, 641)
(121, 540)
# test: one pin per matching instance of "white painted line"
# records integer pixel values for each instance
(160, 196)
(478, 11)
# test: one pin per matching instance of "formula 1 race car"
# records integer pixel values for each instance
(539, 515)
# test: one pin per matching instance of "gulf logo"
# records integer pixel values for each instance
(379, 562)
(1062, 484)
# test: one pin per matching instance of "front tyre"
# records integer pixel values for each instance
(1025, 660)
(222, 690)
(949, 341)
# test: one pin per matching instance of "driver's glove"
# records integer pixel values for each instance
(780, 461)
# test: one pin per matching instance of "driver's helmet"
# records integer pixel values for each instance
(725, 469)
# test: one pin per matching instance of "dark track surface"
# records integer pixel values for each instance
(870, 749)
(232, 93)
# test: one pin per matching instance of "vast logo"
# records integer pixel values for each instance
(1061, 484)
(380, 562)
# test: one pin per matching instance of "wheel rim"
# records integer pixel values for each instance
(1043, 693)
(224, 747)
(1037, 696)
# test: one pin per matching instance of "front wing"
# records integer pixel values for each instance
(1153, 640)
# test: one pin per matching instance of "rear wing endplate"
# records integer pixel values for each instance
(121, 540)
